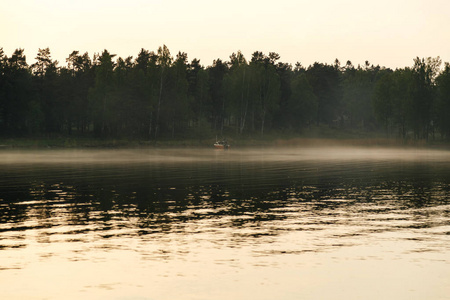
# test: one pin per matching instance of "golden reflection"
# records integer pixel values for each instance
(254, 221)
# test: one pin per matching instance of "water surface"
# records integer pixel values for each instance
(295, 223)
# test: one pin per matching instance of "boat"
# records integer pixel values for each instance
(223, 144)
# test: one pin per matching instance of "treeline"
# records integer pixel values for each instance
(157, 95)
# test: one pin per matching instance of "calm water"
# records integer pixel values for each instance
(309, 223)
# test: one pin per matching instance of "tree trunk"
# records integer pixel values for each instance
(262, 121)
(159, 104)
(241, 120)
(173, 128)
(150, 126)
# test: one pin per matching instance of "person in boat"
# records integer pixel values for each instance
(222, 144)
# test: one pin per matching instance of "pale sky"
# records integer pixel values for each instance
(390, 33)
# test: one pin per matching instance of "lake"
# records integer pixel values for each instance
(270, 223)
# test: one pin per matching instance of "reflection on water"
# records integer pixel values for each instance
(205, 224)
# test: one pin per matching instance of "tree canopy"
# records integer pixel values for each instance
(158, 95)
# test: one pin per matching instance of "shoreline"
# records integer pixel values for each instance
(92, 143)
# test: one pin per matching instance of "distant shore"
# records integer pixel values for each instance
(77, 142)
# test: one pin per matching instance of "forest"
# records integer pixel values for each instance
(157, 95)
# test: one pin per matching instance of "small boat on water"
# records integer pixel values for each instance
(223, 144)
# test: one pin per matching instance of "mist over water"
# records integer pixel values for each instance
(291, 154)
(278, 223)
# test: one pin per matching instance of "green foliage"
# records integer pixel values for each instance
(358, 92)
(406, 100)
(237, 87)
(326, 83)
(303, 104)
(102, 96)
(442, 108)
(217, 94)
(383, 101)
(156, 96)
(265, 85)
(17, 92)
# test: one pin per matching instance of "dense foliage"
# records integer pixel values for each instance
(156, 95)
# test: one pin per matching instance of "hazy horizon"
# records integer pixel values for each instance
(386, 33)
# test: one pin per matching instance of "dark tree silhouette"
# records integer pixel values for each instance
(156, 96)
